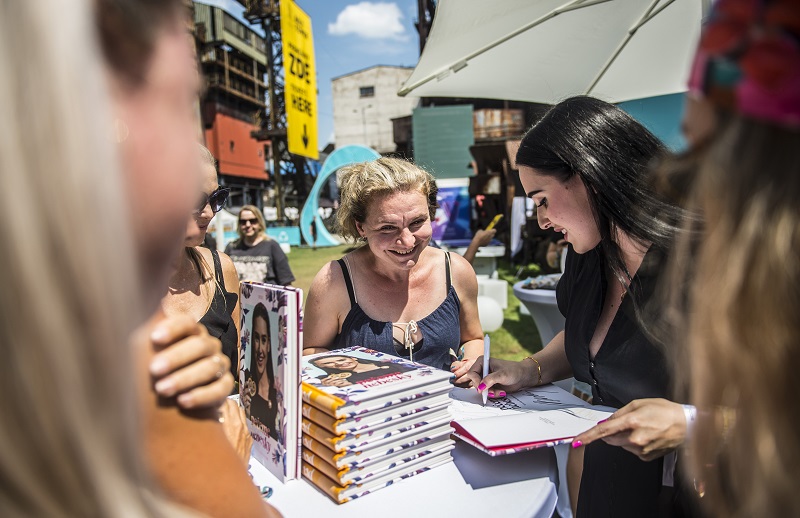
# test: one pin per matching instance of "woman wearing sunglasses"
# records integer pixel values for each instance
(205, 285)
(258, 257)
(394, 294)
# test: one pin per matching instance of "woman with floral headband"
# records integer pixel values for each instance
(740, 316)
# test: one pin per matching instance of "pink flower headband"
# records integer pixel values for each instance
(748, 60)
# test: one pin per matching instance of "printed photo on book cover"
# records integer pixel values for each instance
(261, 375)
(356, 370)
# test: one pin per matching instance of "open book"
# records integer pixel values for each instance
(529, 419)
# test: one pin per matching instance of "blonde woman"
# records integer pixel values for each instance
(743, 333)
(394, 294)
(204, 285)
(80, 273)
(258, 257)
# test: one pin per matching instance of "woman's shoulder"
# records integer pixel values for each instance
(330, 276)
(462, 271)
(228, 269)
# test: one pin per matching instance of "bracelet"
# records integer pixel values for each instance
(538, 367)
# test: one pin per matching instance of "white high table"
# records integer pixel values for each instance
(474, 484)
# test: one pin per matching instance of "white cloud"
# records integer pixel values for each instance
(370, 20)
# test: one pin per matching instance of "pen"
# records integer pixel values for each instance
(486, 347)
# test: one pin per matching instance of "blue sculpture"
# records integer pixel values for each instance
(335, 161)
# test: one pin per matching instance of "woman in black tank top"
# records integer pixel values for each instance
(205, 284)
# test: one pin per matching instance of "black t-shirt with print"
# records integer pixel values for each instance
(263, 262)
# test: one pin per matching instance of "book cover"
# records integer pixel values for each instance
(376, 420)
(529, 419)
(339, 382)
(269, 374)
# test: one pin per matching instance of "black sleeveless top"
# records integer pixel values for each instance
(219, 317)
(615, 483)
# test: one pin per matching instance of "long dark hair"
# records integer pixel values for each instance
(612, 154)
(260, 311)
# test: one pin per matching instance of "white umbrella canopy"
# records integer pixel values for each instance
(546, 50)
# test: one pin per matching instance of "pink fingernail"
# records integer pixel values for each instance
(481, 387)
(502, 393)
(577, 444)
(603, 421)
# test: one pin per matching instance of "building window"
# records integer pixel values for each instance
(366, 91)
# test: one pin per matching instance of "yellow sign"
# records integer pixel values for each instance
(300, 79)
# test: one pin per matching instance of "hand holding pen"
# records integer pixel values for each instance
(460, 366)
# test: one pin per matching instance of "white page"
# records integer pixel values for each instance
(529, 427)
(467, 403)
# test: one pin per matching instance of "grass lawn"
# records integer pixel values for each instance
(516, 339)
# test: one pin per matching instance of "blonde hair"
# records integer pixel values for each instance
(71, 292)
(743, 321)
(259, 216)
(206, 157)
(360, 184)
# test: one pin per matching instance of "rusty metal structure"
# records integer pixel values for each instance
(272, 120)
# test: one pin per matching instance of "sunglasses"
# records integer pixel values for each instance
(216, 199)
(251, 221)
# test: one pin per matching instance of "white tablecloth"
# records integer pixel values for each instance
(474, 484)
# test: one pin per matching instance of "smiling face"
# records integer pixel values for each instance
(564, 207)
(248, 224)
(261, 344)
(397, 228)
(343, 363)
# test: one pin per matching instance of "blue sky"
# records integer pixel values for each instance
(349, 36)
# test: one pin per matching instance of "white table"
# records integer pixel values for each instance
(544, 310)
(474, 484)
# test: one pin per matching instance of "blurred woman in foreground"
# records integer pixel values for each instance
(204, 285)
(742, 328)
(89, 247)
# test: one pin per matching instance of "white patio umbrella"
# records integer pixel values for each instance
(546, 50)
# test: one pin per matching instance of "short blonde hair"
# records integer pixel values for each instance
(360, 184)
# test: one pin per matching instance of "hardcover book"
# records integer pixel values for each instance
(385, 418)
(380, 437)
(269, 374)
(355, 380)
(526, 420)
(359, 472)
(344, 493)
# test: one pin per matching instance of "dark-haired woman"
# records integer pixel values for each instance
(585, 166)
(264, 403)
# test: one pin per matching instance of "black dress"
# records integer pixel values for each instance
(219, 317)
(628, 366)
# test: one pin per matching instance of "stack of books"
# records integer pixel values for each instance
(371, 419)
